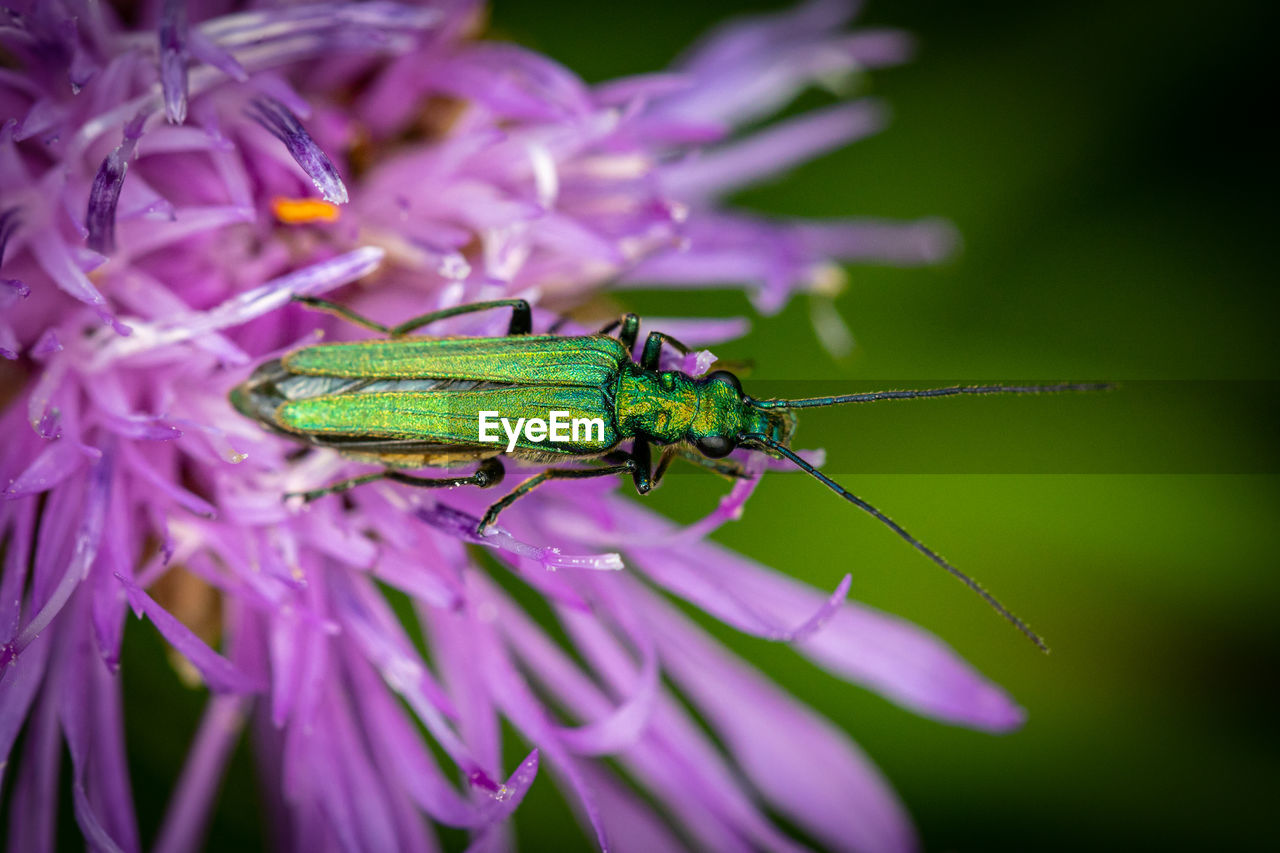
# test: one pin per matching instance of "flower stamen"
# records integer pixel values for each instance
(303, 211)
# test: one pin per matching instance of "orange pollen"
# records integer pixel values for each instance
(302, 211)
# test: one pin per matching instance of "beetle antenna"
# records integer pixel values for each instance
(815, 402)
(776, 447)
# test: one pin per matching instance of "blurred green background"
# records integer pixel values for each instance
(1108, 169)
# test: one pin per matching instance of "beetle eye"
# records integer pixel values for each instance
(714, 446)
(727, 378)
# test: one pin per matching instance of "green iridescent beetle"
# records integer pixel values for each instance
(411, 401)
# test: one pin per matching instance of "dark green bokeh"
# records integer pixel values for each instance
(1105, 166)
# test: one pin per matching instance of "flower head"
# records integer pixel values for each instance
(158, 214)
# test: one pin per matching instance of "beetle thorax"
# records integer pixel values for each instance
(658, 406)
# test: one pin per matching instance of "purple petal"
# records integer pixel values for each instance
(354, 792)
(108, 607)
(413, 830)
(803, 765)
(738, 39)
(43, 120)
(641, 87)
(84, 549)
(375, 629)
(698, 572)
(211, 53)
(390, 16)
(538, 186)
(674, 761)
(56, 260)
(34, 805)
(47, 344)
(731, 506)
(220, 674)
(140, 464)
(677, 761)
(697, 363)
(772, 150)
(750, 68)
(343, 542)
(169, 139)
(43, 416)
(407, 574)
(451, 636)
(107, 781)
(633, 826)
(100, 218)
(149, 297)
(57, 461)
(463, 526)
(147, 235)
(911, 667)
(926, 241)
(141, 427)
(284, 125)
(197, 788)
(173, 59)
(623, 726)
(887, 654)
(401, 751)
(562, 235)
(20, 530)
(9, 347)
(278, 88)
(522, 708)
(514, 82)
(651, 535)
(83, 67)
(10, 219)
(781, 257)
(612, 728)
(11, 290)
(89, 708)
(19, 680)
(285, 642)
(313, 280)
(880, 47)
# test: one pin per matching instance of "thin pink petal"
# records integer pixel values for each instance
(220, 674)
(804, 765)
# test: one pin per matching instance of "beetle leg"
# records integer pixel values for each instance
(668, 453)
(628, 326)
(336, 488)
(489, 473)
(340, 311)
(521, 316)
(642, 475)
(491, 514)
(653, 349)
(730, 468)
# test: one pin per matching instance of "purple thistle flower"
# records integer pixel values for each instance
(129, 483)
